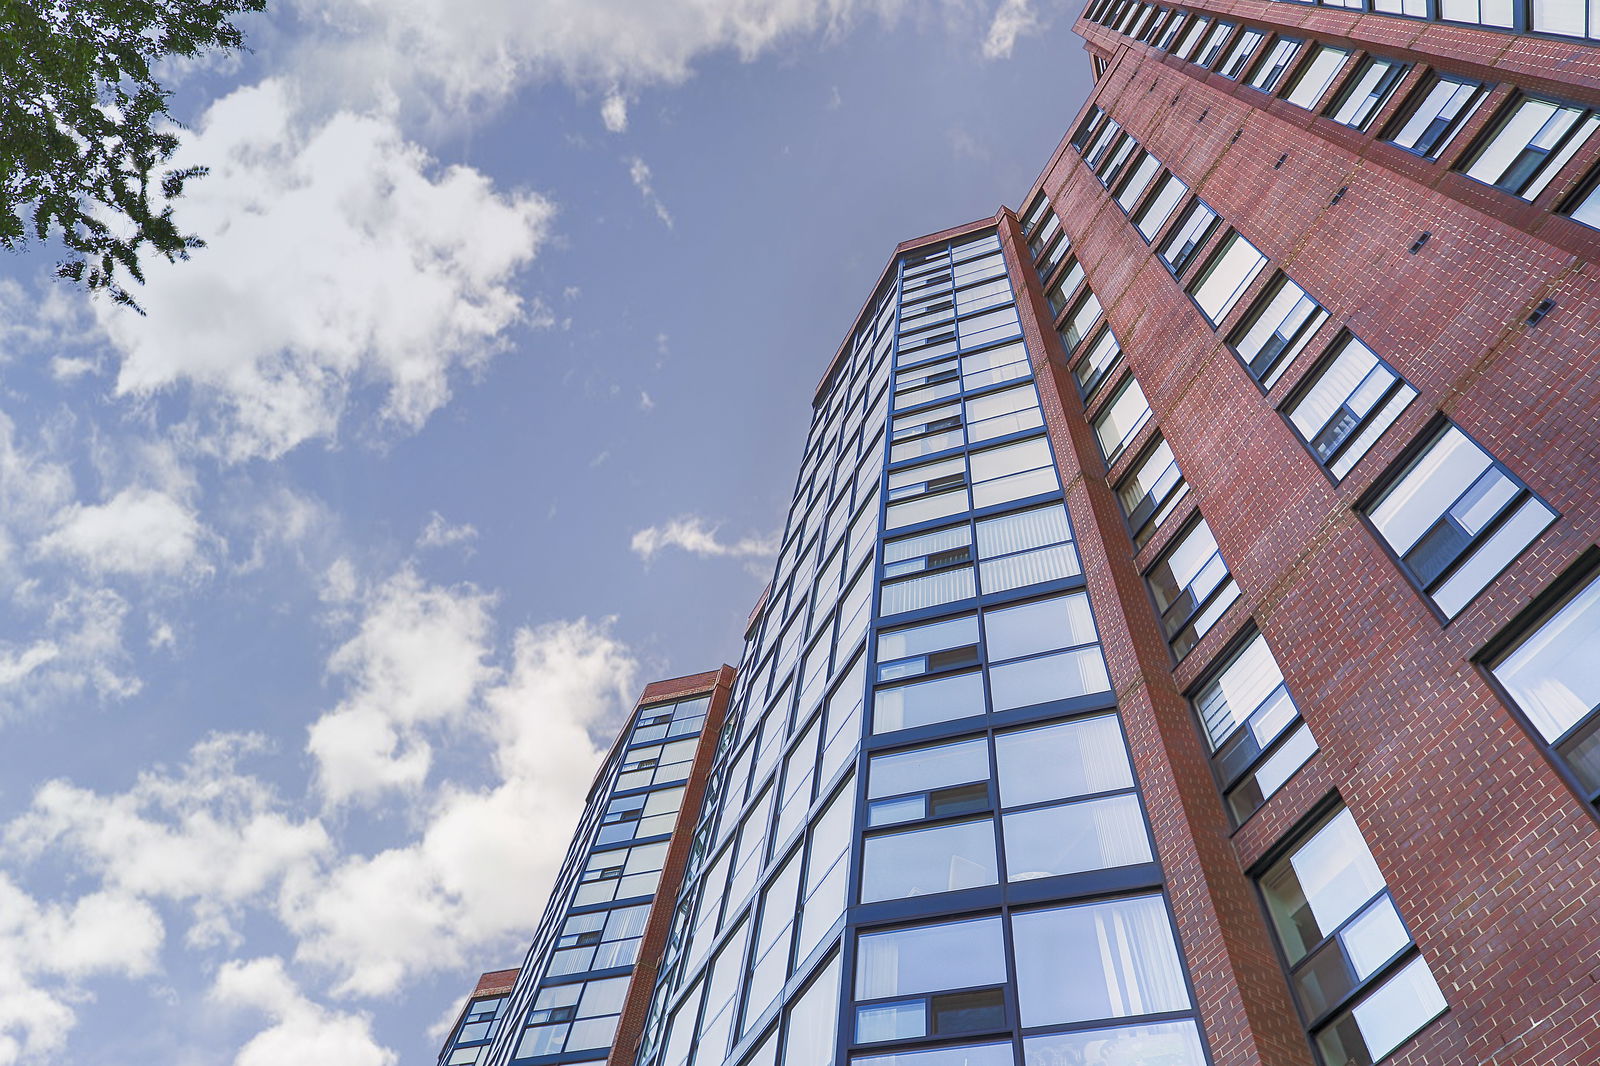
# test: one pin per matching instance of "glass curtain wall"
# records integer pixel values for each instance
(568, 998)
(922, 797)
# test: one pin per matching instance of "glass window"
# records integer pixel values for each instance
(1239, 56)
(1481, 12)
(1043, 651)
(1352, 964)
(1438, 111)
(1411, 8)
(1081, 321)
(994, 365)
(909, 967)
(1098, 361)
(573, 1017)
(1007, 411)
(1370, 87)
(1529, 144)
(1344, 406)
(1187, 237)
(1064, 287)
(1315, 77)
(937, 780)
(929, 648)
(1269, 72)
(1276, 329)
(927, 569)
(1192, 587)
(1456, 518)
(1585, 206)
(813, 1017)
(1150, 492)
(1214, 41)
(960, 1055)
(1139, 179)
(1035, 213)
(1156, 210)
(1121, 419)
(1080, 757)
(1125, 962)
(1025, 547)
(1169, 30)
(939, 858)
(1553, 675)
(1226, 276)
(941, 699)
(1191, 37)
(1012, 472)
(1250, 720)
(1068, 760)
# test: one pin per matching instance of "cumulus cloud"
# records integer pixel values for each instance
(302, 1030)
(376, 921)
(695, 535)
(640, 173)
(417, 660)
(207, 834)
(139, 532)
(1011, 20)
(46, 947)
(341, 259)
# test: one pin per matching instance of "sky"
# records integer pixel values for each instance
(327, 582)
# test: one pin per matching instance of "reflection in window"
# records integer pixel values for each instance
(1156, 210)
(1456, 518)
(1121, 419)
(939, 858)
(1168, 1043)
(1186, 238)
(1530, 144)
(1553, 676)
(1352, 965)
(1277, 62)
(1344, 407)
(1279, 325)
(1192, 587)
(901, 973)
(1150, 492)
(1440, 110)
(1318, 74)
(1043, 651)
(1125, 962)
(1253, 727)
(1375, 79)
(1232, 268)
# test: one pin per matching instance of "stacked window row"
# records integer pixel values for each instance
(583, 962)
(1452, 515)
(797, 702)
(479, 1023)
(1520, 152)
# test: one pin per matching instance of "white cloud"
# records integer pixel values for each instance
(340, 258)
(1011, 20)
(464, 883)
(303, 1031)
(455, 57)
(139, 532)
(614, 112)
(640, 173)
(417, 660)
(45, 948)
(441, 534)
(695, 535)
(645, 402)
(207, 835)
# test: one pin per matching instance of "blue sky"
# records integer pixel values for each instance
(328, 580)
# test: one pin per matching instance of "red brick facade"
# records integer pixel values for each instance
(1493, 861)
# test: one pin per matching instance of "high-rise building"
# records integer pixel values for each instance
(1185, 642)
